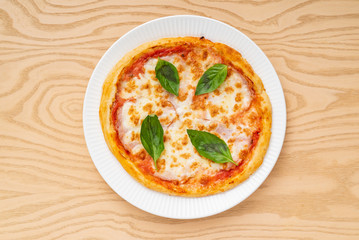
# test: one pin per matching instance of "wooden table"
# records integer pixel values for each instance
(49, 186)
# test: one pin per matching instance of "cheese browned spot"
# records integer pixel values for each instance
(159, 112)
(212, 126)
(229, 90)
(131, 86)
(238, 97)
(185, 155)
(148, 108)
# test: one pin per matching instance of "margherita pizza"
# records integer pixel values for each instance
(186, 116)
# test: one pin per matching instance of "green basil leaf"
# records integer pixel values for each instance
(210, 146)
(211, 79)
(152, 137)
(167, 74)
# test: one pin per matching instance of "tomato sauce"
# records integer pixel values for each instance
(146, 165)
(116, 105)
(137, 68)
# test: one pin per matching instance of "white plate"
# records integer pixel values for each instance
(111, 170)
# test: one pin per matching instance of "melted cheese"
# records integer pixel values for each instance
(218, 114)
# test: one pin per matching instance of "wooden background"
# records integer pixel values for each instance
(49, 187)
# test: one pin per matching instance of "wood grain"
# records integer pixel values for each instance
(49, 187)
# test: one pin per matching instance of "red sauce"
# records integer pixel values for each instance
(115, 107)
(224, 174)
(146, 165)
(136, 68)
(255, 138)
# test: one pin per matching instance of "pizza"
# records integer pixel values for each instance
(186, 116)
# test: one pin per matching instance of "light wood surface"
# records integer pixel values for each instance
(49, 186)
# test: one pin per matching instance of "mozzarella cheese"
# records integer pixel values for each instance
(219, 113)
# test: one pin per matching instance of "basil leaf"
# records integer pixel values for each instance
(167, 74)
(211, 79)
(152, 137)
(210, 146)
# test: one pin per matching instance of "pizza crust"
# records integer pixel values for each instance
(110, 134)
